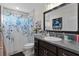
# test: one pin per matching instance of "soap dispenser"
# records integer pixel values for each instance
(65, 37)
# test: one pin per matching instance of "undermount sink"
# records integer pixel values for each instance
(52, 39)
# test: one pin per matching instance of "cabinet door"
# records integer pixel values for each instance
(35, 51)
(48, 46)
(63, 52)
(42, 51)
(36, 47)
(49, 53)
(68, 53)
(45, 52)
(36, 42)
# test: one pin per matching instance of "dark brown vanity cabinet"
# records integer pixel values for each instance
(43, 48)
(44, 51)
(47, 48)
(36, 47)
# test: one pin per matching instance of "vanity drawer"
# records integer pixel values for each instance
(48, 46)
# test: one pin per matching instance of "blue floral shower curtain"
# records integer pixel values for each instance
(17, 30)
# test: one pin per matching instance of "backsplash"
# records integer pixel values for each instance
(60, 35)
(69, 37)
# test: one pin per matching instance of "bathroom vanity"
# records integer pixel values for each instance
(55, 48)
(58, 21)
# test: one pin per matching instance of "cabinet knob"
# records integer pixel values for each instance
(64, 54)
(44, 52)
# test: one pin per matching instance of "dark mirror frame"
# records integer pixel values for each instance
(72, 32)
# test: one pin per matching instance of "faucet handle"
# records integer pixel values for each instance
(48, 34)
(63, 34)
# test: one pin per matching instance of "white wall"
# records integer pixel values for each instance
(69, 17)
(51, 5)
(39, 15)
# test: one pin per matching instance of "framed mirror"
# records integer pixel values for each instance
(63, 18)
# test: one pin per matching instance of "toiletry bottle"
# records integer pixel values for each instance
(66, 37)
(77, 38)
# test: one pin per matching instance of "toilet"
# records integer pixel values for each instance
(28, 49)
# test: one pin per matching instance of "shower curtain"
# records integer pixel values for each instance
(17, 30)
